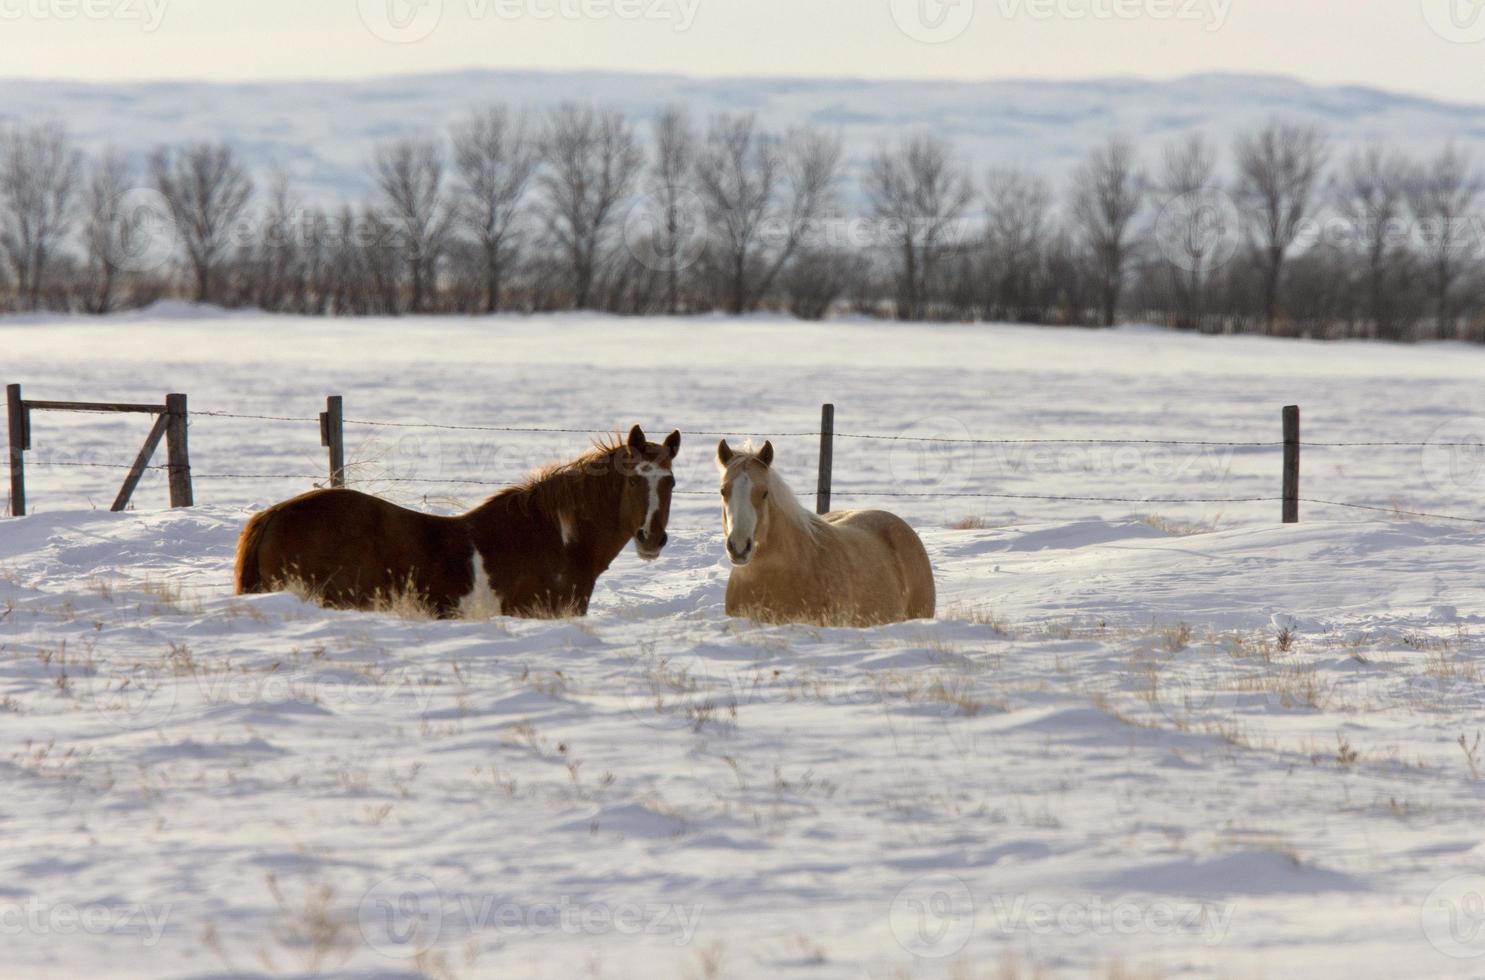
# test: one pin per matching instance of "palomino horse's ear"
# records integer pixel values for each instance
(673, 443)
(724, 453)
(636, 438)
(765, 455)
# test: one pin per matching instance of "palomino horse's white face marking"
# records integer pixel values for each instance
(739, 518)
(745, 506)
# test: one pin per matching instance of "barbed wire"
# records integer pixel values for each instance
(1061, 498)
(558, 430)
(1391, 510)
(260, 418)
(870, 436)
(847, 493)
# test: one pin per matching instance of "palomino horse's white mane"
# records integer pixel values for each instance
(786, 506)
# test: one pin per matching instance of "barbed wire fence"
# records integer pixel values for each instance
(332, 422)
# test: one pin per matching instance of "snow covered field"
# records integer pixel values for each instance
(1174, 739)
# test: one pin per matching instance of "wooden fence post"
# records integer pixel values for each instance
(20, 441)
(827, 458)
(332, 437)
(177, 451)
(1291, 464)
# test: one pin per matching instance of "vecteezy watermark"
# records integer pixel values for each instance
(1204, 465)
(1095, 916)
(1453, 917)
(1454, 457)
(404, 915)
(138, 700)
(32, 916)
(933, 21)
(1212, 14)
(143, 236)
(401, 21)
(933, 455)
(149, 14)
(933, 917)
(670, 693)
(149, 696)
(1199, 232)
(667, 235)
(1458, 21)
(680, 14)
(410, 21)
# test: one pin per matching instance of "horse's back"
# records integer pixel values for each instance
(346, 545)
(879, 529)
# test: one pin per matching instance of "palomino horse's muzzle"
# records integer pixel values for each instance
(740, 556)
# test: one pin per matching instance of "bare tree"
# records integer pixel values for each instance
(592, 162)
(1278, 169)
(1370, 197)
(39, 176)
(1192, 227)
(1016, 225)
(111, 232)
(409, 175)
(280, 249)
(670, 187)
(207, 191)
(918, 192)
(495, 158)
(762, 196)
(738, 175)
(1442, 196)
(1107, 194)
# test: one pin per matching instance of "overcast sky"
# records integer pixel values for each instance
(1433, 47)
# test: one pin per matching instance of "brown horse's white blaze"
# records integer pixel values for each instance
(531, 550)
(850, 568)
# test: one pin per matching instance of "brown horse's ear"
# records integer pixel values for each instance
(765, 455)
(724, 453)
(636, 438)
(673, 443)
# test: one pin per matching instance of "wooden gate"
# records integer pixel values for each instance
(170, 424)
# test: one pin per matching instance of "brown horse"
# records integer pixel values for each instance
(849, 568)
(536, 549)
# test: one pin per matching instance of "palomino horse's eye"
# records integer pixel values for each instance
(765, 495)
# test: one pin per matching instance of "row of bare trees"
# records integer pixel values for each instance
(581, 207)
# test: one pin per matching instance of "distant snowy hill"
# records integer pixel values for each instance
(322, 132)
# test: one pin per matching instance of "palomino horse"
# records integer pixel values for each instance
(849, 568)
(535, 549)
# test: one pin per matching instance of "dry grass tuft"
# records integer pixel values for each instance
(1177, 638)
(1180, 529)
(315, 930)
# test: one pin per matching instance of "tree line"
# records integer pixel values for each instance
(581, 207)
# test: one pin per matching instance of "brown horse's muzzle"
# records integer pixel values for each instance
(650, 545)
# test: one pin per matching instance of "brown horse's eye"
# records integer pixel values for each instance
(765, 495)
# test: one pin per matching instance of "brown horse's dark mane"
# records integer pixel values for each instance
(565, 486)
